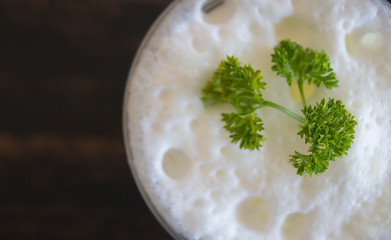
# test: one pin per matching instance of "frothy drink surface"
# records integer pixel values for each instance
(206, 187)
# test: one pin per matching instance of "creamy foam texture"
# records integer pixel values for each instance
(206, 187)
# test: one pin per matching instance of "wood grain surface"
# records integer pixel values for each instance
(63, 168)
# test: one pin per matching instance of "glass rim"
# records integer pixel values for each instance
(126, 131)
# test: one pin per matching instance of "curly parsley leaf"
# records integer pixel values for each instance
(329, 129)
(291, 60)
(244, 129)
(239, 85)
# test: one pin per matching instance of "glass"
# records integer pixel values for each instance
(145, 196)
(207, 6)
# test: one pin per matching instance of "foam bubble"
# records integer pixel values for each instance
(295, 28)
(295, 227)
(371, 40)
(176, 164)
(199, 203)
(254, 213)
(364, 43)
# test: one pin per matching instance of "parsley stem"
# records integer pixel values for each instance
(282, 109)
(300, 83)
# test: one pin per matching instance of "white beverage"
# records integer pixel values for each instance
(205, 187)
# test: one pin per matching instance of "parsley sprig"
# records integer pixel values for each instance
(232, 83)
(292, 61)
(327, 127)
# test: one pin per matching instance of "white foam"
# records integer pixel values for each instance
(205, 186)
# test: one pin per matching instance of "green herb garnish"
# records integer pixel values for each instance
(327, 127)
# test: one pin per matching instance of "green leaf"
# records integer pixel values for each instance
(291, 60)
(308, 164)
(239, 85)
(329, 130)
(244, 129)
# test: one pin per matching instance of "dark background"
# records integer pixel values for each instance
(63, 168)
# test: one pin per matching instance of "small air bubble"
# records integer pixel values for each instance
(176, 164)
(296, 29)
(206, 170)
(295, 226)
(164, 94)
(220, 174)
(364, 43)
(254, 214)
(227, 151)
(199, 203)
(355, 105)
(372, 40)
(195, 125)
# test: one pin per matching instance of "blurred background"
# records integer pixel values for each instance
(63, 168)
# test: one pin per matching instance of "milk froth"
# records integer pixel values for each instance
(205, 187)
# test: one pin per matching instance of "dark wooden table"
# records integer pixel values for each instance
(63, 168)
